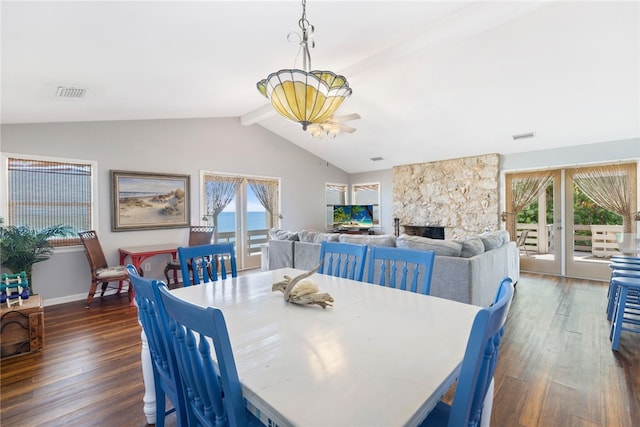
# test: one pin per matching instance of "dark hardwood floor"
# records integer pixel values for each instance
(556, 367)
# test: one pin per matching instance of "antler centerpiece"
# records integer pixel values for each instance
(303, 291)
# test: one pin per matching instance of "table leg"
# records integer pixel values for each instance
(149, 398)
(123, 257)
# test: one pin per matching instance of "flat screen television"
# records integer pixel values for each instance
(353, 216)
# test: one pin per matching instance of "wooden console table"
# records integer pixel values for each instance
(369, 231)
(22, 327)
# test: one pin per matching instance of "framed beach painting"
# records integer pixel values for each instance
(143, 200)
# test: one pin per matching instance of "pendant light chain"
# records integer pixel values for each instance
(307, 31)
(304, 96)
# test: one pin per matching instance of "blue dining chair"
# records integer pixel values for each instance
(207, 261)
(618, 269)
(401, 268)
(344, 260)
(625, 259)
(166, 377)
(627, 308)
(478, 366)
(213, 399)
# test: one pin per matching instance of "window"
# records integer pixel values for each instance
(43, 192)
(368, 194)
(334, 194)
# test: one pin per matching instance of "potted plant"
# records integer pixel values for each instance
(21, 247)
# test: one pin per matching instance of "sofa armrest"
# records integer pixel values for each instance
(280, 254)
(306, 255)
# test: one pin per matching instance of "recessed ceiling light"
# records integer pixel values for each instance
(524, 136)
(376, 159)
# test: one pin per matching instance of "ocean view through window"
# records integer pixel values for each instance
(43, 192)
(243, 209)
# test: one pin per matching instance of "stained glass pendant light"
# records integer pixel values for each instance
(305, 96)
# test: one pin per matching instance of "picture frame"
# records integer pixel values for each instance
(146, 200)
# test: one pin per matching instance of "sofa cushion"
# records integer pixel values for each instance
(492, 240)
(440, 247)
(471, 247)
(312, 236)
(374, 240)
(279, 234)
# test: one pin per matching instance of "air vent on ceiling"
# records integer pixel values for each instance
(376, 159)
(524, 136)
(70, 92)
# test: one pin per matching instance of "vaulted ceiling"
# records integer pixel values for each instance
(431, 80)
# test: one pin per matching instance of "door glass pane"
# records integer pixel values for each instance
(595, 228)
(226, 231)
(257, 223)
(537, 221)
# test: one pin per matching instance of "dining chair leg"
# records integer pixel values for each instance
(616, 325)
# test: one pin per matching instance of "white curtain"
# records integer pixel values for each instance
(267, 193)
(220, 191)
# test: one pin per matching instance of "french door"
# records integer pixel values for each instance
(593, 262)
(568, 233)
(243, 209)
(542, 250)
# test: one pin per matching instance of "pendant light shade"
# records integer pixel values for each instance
(305, 96)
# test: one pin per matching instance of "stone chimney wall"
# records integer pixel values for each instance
(460, 194)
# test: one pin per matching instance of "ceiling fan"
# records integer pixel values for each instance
(333, 126)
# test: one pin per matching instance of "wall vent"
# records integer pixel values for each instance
(70, 92)
(524, 136)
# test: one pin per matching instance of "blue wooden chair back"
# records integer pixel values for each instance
(214, 394)
(165, 369)
(344, 260)
(207, 262)
(478, 365)
(401, 268)
(480, 359)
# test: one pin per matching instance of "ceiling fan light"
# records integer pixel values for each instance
(316, 131)
(332, 130)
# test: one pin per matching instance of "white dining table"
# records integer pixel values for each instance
(378, 357)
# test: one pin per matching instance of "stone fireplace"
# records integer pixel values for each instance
(461, 195)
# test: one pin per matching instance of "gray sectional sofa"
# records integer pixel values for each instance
(467, 270)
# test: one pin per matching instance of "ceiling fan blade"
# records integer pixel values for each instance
(347, 117)
(347, 129)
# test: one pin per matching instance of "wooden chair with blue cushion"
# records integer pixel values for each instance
(478, 366)
(198, 235)
(154, 322)
(101, 272)
(207, 262)
(344, 260)
(213, 391)
(401, 268)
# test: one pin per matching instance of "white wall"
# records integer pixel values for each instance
(188, 146)
(167, 146)
(384, 177)
(610, 151)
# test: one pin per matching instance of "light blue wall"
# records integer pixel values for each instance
(167, 146)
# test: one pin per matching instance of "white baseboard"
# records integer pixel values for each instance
(76, 297)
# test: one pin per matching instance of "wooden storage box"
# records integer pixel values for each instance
(22, 327)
